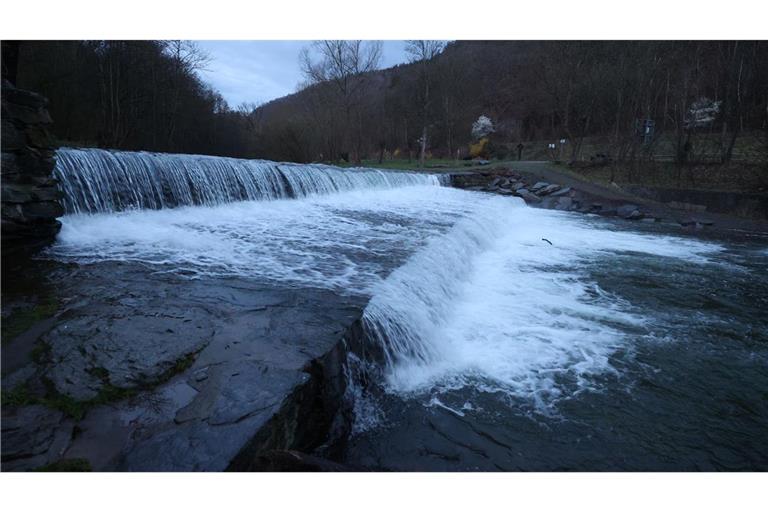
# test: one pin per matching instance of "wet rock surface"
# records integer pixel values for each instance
(34, 435)
(145, 370)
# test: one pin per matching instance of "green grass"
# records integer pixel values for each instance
(432, 165)
(108, 393)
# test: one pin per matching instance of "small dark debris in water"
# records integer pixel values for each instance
(550, 243)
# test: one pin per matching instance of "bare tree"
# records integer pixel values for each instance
(343, 64)
(188, 58)
(423, 52)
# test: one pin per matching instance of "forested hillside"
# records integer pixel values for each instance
(147, 95)
(130, 95)
(535, 91)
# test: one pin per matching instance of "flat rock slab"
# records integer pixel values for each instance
(33, 436)
(89, 350)
(244, 398)
(209, 360)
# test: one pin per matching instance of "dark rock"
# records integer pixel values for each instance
(88, 352)
(548, 189)
(24, 114)
(41, 210)
(9, 165)
(39, 137)
(253, 387)
(539, 185)
(17, 193)
(561, 192)
(626, 211)
(691, 222)
(33, 435)
(528, 197)
(294, 461)
(23, 97)
(30, 198)
(564, 203)
(12, 139)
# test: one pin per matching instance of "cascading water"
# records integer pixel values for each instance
(490, 304)
(99, 181)
(499, 350)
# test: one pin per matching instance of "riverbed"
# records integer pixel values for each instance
(188, 328)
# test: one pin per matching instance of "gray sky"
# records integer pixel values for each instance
(259, 71)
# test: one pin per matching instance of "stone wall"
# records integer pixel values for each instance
(30, 195)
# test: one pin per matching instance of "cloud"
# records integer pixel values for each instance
(260, 71)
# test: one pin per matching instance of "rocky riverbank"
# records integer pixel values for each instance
(544, 188)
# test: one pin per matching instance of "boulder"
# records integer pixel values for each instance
(561, 192)
(539, 185)
(626, 211)
(528, 196)
(548, 189)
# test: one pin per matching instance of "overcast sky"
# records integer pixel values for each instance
(259, 71)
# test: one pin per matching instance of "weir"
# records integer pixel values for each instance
(334, 323)
(101, 181)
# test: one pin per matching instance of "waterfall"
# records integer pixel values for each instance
(98, 180)
(489, 304)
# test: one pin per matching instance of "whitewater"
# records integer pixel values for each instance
(463, 288)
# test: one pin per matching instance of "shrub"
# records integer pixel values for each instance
(479, 148)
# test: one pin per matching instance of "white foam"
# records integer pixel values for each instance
(490, 304)
(343, 241)
(479, 298)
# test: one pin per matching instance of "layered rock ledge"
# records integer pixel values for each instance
(30, 195)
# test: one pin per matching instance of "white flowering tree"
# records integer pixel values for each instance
(482, 127)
